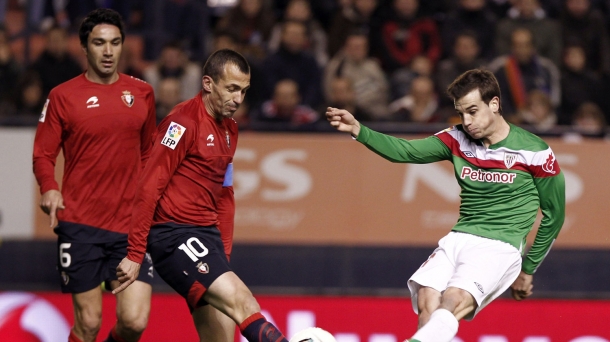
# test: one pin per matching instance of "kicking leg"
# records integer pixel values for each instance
(212, 325)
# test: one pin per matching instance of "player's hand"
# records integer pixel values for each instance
(127, 272)
(522, 287)
(343, 120)
(50, 202)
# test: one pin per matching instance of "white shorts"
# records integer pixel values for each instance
(483, 267)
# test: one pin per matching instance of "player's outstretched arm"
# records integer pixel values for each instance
(522, 287)
(343, 120)
(127, 272)
(50, 202)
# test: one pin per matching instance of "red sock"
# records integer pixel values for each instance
(113, 336)
(256, 328)
(73, 337)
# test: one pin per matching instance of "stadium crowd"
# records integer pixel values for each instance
(386, 61)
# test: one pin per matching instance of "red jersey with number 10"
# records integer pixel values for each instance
(187, 179)
(105, 131)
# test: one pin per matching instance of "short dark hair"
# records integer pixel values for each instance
(480, 79)
(215, 65)
(100, 16)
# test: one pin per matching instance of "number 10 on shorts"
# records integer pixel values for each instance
(194, 252)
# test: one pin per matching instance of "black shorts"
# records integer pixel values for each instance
(188, 258)
(88, 256)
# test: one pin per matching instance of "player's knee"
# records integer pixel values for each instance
(134, 322)
(89, 323)
(246, 305)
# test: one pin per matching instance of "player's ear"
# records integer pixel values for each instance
(494, 104)
(206, 82)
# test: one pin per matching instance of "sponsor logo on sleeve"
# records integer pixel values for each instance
(549, 164)
(173, 135)
(43, 114)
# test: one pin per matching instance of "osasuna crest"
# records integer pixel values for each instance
(203, 268)
(510, 159)
(127, 98)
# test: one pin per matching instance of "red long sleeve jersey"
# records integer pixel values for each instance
(105, 131)
(188, 177)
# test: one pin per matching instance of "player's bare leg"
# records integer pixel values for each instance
(212, 325)
(428, 300)
(132, 310)
(459, 302)
(232, 297)
(443, 323)
(87, 314)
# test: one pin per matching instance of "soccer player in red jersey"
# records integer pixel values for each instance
(104, 121)
(184, 203)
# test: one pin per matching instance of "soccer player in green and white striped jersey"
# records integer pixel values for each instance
(506, 174)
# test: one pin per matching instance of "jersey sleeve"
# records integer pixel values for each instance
(396, 150)
(552, 194)
(226, 202)
(48, 143)
(161, 165)
(226, 217)
(149, 128)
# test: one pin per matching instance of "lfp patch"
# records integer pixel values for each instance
(173, 135)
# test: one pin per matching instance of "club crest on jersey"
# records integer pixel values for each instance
(203, 268)
(510, 159)
(127, 98)
(173, 135)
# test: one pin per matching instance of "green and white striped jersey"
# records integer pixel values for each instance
(502, 186)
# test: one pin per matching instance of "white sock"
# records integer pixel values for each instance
(441, 327)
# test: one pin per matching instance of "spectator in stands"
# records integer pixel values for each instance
(10, 72)
(472, 16)
(589, 120)
(128, 63)
(30, 99)
(465, 56)
(583, 25)
(55, 65)
(355, 15)
(168, 95)
(522, 71)
(251, 21)
(342, 95)
(300, 10)
(291, 61)
(401, 79)
(285, 106)
(528, 14)
(538, 113)
(579, 84)
(367, 80)
(404, 35)
(419, 105)
(174, 62)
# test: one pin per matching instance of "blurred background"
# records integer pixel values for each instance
(328, 233)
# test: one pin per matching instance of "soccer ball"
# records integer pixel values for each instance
(313, 335)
